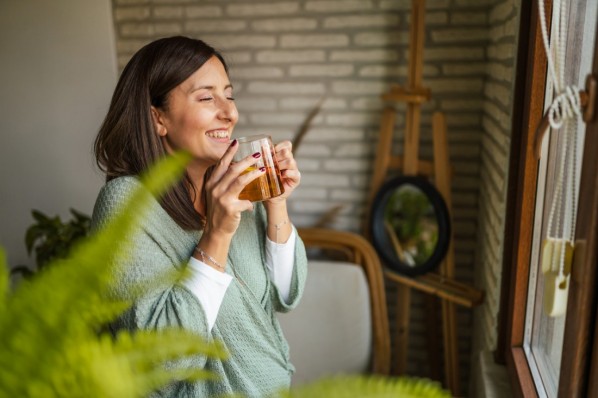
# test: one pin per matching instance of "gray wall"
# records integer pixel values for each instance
(57, 73)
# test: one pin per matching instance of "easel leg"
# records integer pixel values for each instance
(433, 335)
(384, 142)
(442, 180)
(402, 334)
(411, 147)
(382, 158)
(451, 354)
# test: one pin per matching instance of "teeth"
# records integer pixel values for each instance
(217, 134)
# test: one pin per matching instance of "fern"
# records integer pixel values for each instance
(49, 325)
(369, 387)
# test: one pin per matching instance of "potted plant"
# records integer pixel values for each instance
(51, 238)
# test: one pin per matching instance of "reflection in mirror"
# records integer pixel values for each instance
(410, 225)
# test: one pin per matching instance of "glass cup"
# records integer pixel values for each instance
(269, 184)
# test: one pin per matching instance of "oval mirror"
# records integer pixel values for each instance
(410, 225)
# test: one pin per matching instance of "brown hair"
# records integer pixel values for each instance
(127, 143)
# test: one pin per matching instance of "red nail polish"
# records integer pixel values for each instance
(256, 155)
(233, 143)
(262, 169)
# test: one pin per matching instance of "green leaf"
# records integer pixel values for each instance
(23, 270)
(33, 233)
(165, 173)
(40, 217)
(79, 217)
(369, 387)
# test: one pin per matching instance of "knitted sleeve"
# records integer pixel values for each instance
(148, 256)
(299, 268)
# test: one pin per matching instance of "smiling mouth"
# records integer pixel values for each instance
(218, 134)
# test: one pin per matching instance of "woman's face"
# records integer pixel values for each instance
(199, 115)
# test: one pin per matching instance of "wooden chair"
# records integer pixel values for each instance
(341, 323)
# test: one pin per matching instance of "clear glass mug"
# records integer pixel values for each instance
(269, 184)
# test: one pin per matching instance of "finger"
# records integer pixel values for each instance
(207, 182)
(283, 145)
(288, 164)
(237, 185)
(284, 153)
(224, 162)
(293, 175)
(234, 206)
(242, 167)
(285, 159)
(284, 150)
(249, 176)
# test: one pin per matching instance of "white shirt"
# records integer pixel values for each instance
(210, 285)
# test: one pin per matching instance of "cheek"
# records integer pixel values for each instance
(234, 115)
(199, 119)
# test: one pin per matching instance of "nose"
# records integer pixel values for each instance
(227, 110)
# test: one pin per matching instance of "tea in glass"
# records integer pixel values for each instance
(269, 184)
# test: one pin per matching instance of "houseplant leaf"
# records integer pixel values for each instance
(369, 387)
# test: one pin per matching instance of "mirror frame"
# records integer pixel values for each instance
(378, 231)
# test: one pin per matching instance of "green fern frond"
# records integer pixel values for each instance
(369, 387)
(166, 344)
(49, 324)
(165, 173)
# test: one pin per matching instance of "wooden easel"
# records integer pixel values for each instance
(440, 285)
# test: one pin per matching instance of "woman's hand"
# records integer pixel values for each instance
(291, 177)
(222, 185)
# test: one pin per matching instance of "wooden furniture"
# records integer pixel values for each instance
(327, 301)
(442, 285)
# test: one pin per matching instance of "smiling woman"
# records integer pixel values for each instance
(175, 95)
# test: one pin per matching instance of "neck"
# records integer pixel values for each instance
(196, 174)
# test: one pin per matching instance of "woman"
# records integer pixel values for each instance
(246, 259)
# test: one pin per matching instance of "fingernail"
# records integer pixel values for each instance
(262, 169)
(233, 143)
(256, 155)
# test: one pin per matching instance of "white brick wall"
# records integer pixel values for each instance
(285, 56)
(495, 143)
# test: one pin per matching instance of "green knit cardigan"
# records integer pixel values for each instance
(258, 362)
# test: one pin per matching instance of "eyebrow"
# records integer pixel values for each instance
(194, 89)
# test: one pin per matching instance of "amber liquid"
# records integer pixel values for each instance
(266, 186)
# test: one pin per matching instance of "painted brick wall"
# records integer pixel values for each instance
(495, 146)
(287, 55)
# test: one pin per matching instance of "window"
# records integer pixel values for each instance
(544, 335)
(549, 357)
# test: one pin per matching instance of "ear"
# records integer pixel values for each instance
(158, 119)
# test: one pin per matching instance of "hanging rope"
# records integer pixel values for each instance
(563, 115)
